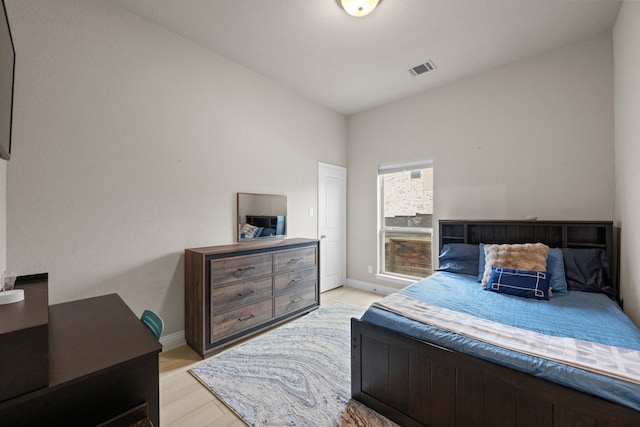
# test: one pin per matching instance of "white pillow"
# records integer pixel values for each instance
(249, 231)
(525, 256)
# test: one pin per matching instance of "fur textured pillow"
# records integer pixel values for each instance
(526, 256)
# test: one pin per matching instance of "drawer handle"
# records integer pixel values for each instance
(242, 269)
(248, 293)
(293, 301)
(242, 319)
(296, 259)
(295, 281)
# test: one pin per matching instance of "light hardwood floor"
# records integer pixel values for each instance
(185, 402)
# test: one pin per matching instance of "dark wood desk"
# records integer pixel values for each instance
(102, 362)
(24, 340)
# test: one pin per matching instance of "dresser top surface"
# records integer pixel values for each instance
(254, 245)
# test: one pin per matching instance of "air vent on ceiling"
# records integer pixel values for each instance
(423, 68)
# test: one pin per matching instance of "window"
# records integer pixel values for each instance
(405, 220)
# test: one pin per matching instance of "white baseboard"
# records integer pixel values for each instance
(371, 287)
(177, 339)
(173, 340)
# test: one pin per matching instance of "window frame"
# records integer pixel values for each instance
(382, 229)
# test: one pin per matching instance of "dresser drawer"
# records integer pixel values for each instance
(231, 322)
(294, 259)
(227, 270)
(294, 300)
(228, 297)
(285, 282)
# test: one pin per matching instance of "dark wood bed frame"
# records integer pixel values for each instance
(416, 383)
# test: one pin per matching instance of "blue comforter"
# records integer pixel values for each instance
(581, 315)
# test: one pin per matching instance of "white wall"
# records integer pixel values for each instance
(626, 37)
(530, 138)
(130, 144)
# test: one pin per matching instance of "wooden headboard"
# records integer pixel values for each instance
(555, 234)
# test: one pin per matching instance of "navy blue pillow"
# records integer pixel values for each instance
(555, 267)
(521, 283)
(587, 270)
(459, 258)
(268, 232)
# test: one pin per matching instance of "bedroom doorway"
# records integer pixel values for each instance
(405, 222)
(332, 225)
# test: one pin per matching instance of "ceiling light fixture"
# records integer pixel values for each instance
(358, 7)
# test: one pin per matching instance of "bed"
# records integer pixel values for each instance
(429, 375)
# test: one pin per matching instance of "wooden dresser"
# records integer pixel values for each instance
(237, 290)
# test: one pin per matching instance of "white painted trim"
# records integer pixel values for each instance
(371, 287)
(385, 168)
(173, 340)
(396, 279)
(177, 339)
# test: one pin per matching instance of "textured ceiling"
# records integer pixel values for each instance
(352, 64)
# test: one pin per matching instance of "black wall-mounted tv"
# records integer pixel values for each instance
(7, 73)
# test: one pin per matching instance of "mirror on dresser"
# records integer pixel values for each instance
(261, 216)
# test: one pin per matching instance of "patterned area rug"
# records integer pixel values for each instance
(295, 375)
